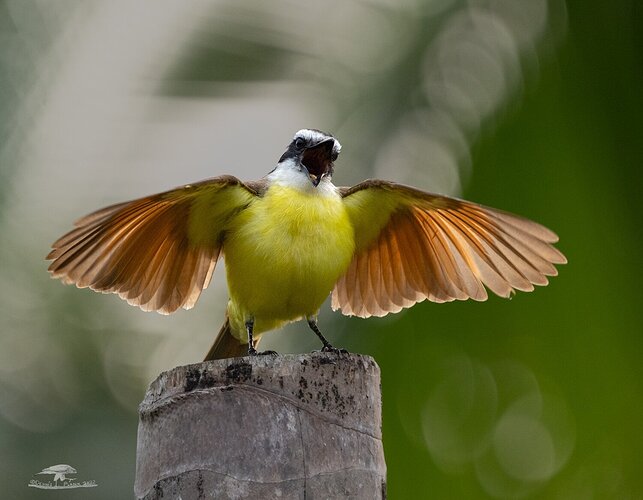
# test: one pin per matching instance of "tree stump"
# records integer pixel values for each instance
(293, 426)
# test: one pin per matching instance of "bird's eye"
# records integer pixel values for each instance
(300, 142)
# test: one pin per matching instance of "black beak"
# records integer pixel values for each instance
(318, 160)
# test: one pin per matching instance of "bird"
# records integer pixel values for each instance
(292, 238)
(59, 472)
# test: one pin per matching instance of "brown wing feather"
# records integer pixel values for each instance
(436, 248)
(158, 252)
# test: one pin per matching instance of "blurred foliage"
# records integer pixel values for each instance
(537, 397)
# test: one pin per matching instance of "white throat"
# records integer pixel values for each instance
(289, 173)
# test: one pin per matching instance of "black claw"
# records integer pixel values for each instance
(253, 352)
(336, 350)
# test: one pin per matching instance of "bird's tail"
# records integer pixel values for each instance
(226, 345)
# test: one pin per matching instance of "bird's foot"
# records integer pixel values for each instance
(253, 352)
(336, 350)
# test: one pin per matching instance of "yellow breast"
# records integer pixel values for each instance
(284, 254)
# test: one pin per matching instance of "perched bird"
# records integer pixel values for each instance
(59, 472)
(292, 237)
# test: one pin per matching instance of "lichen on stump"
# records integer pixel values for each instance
(293, 426)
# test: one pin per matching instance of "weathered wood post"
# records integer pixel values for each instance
(293, 426)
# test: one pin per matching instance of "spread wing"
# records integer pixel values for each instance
(158, 252)
(412, 245)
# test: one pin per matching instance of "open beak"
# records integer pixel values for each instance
(318, 160)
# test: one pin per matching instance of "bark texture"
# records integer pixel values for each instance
(293, 426)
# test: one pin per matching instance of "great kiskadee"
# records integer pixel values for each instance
(292, 238)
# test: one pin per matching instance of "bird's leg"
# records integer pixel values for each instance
(250, 323)
(251, 342)
(312, 323)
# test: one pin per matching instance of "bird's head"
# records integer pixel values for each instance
(311, 152)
